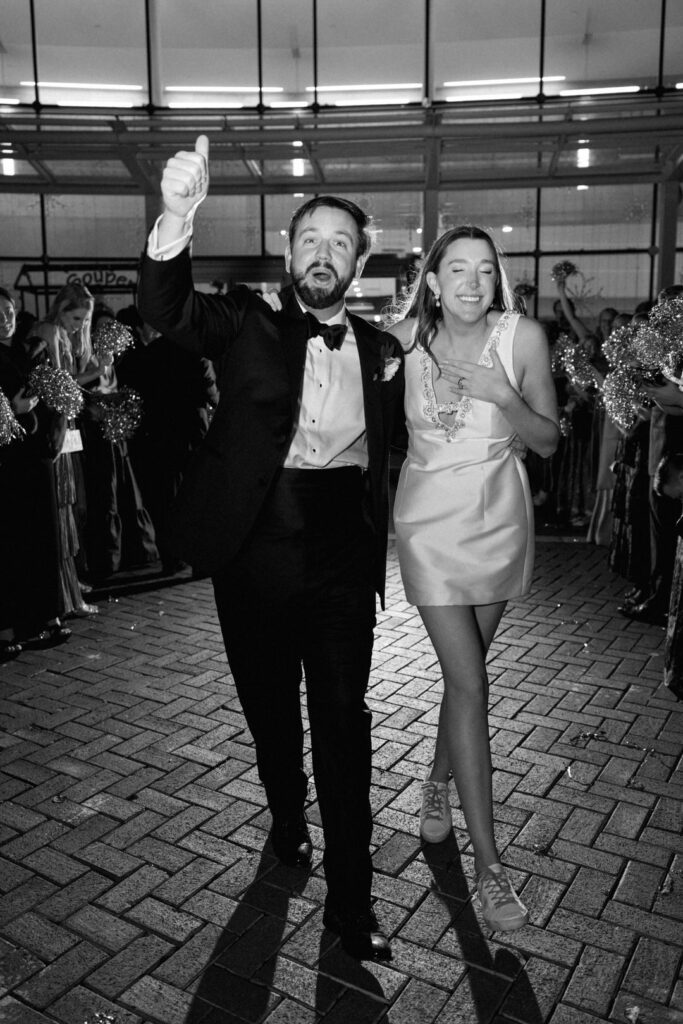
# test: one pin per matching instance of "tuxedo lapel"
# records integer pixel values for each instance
(369, 346)
(293, 329)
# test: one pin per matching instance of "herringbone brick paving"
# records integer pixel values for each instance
(138, 887)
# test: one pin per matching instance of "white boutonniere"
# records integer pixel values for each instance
(391, 365)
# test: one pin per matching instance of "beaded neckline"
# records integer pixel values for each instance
(431, 408)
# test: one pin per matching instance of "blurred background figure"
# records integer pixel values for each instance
(179, 394)
(30, 590)
(119, 532)
(66, 332)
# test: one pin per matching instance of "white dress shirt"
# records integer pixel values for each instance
(330, 428)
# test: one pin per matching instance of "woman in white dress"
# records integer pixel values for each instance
(478, 390)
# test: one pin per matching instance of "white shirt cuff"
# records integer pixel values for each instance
(171, 249)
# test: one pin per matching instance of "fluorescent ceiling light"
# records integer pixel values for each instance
(506, 228)
(679, 85)
(485, 96)
(365, 88)
(506, 81)
(8, 167)
(222, 88)
(98, 86)
(5, 101)
(288, 103)
(198, 105)
(582, 188)
(362, 103)
(91, 103)
(600, 90)
(583, 157)
(298, 167)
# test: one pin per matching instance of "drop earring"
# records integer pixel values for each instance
(437, 301)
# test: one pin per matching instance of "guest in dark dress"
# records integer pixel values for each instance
(669, 483)
(666, 438)
(119, 531)
(29, 553)
(179, 394)
(629, 552)
(66, 332)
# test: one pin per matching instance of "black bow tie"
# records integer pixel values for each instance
(332, 334)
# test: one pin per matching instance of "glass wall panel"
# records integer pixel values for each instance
(278, 211)
(370, 52)
(208, 55)
(228, 226)
(92, 54)
(607, 45)
(16, 60)
(673, 45)
(20, 218)
(397, 218)
(485, 50)
(90, 226)
(9, 274)
(509, 213)
(521, 273)
(287, 34)
(621, 280)
(599, 217)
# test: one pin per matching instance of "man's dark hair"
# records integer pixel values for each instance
(363, 220)
(668, 467)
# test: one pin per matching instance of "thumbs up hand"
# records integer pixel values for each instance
(185, 180)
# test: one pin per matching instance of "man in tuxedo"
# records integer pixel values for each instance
(285, 505)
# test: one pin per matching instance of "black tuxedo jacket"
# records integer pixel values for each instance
(259, 357)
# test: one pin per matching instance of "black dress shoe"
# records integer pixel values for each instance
(52, 635)
(292, 841)
(9, 649)
(643, 613)
(360, 935)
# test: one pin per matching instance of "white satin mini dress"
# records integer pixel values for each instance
(463, 512)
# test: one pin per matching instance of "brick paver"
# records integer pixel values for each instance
(137, 886)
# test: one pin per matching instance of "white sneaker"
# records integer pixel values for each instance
(501, 906)
(435, 817)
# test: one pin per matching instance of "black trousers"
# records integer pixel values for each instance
(299, 601)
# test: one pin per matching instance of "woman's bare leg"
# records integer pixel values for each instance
(461, 637)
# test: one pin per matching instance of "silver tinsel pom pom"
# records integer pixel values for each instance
(621, 396)
(10, 428)
(562, 270)
(56, 388)
(122, 415)
(111, 339)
